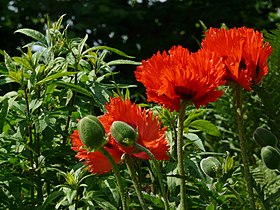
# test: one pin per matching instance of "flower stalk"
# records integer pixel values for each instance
(132, 172)
(243, 147)
(118, 177)
(159, 175)
(180, 160)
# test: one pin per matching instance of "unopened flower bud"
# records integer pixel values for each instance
(211, 167)
(271, 157)
(264, 137)
(91, 132)
(123, 133)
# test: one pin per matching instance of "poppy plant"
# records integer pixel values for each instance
(181, 75)
(244, 52)
(150, 135)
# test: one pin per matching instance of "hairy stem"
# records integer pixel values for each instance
(242, 142)
(181, 170)
(159, 175)
(131, 170)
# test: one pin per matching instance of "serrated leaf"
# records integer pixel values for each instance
(205, 126)
(33, 34)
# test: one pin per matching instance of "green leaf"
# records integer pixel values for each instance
(5, 80)
(104, 204)
(205, 126)
(35, 104)
(196, 140)
(51, 199)
(33, 34)
(194, 114)
(55, 76)
(155, 199)
(114, 50)
(22, 62)
(3, 113)
(74, 88)
(41, 123)
(122, 61)
(82, 44)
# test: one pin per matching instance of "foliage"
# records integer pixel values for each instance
(62, 79)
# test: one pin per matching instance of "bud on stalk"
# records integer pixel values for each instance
(91, 132)
(211, 167)
(264, 137)
(271, 157)
(123, 133)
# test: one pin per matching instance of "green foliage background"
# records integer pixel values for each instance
(76, 77)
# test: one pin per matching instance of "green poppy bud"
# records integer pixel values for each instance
(211, 167)
(264, 137)
(271, 157)
(91, 132)
(123, 133)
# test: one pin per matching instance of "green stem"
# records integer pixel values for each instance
(131, 170)
(159, 175)
(118, 177)
(242, 142)
(181, 171)
(30, 143)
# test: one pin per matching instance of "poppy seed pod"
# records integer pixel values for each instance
(264, 137)
(271, 157)
(123, 133)
(91, 132)
(211, 167)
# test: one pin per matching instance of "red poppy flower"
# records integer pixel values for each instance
(244, 52)
(97, 162)
(150, 133)
(168, 78)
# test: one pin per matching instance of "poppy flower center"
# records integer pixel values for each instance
(184, 92)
